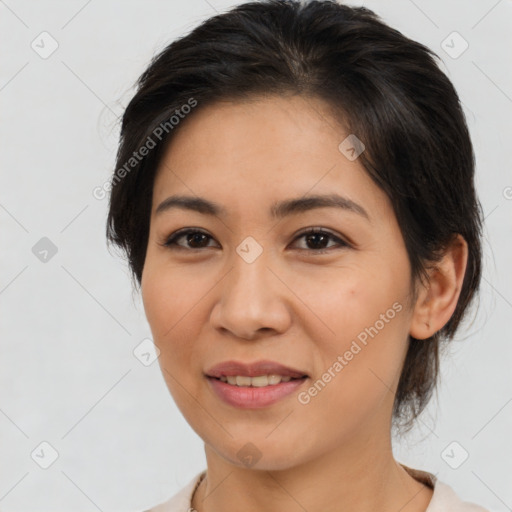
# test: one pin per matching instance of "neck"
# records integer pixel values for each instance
(361, 475)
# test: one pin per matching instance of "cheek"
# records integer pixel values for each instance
(171, 308)
(169, 302)
(349, 300)
(170, 296)
(363, 341)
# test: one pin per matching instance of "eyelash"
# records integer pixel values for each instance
(170, 242)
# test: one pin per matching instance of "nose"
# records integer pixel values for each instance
(253, 301)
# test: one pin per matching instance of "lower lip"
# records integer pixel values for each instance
(249, 397)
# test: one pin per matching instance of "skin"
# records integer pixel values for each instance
(290, 305)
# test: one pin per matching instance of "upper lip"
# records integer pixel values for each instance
(231, 368)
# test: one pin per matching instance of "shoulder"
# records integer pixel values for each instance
(180, 501)
(446, 499)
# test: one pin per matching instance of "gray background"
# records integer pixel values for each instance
(68, 374)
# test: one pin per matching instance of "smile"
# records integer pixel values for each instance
(254, 392)
(257, 382)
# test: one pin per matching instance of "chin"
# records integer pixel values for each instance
(261, 455)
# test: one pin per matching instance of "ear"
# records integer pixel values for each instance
(437, 299)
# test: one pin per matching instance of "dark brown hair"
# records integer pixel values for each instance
(382, 86)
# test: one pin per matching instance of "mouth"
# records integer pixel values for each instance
(259, 381)
(254, 385)
(259, 373)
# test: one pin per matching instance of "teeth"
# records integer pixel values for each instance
(257, 382)
(243, 381)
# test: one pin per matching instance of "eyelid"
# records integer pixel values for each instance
(342, 243)
(169, 241)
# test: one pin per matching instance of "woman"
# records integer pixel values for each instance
(295, 196)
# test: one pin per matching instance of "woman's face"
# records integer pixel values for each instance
(250, 286)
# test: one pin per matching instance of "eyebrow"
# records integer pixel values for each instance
(278, 210)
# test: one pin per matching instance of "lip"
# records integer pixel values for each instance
(249, 397)
(263, 367)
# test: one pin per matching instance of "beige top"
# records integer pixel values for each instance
(444, 498)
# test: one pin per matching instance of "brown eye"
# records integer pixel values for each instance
(194, 239)
(316, 240)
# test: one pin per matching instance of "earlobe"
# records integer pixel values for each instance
(438, 298)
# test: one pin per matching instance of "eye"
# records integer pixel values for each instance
(317, 237)
(199, 240)
(194, 237)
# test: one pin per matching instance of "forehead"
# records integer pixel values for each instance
(256, 152)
